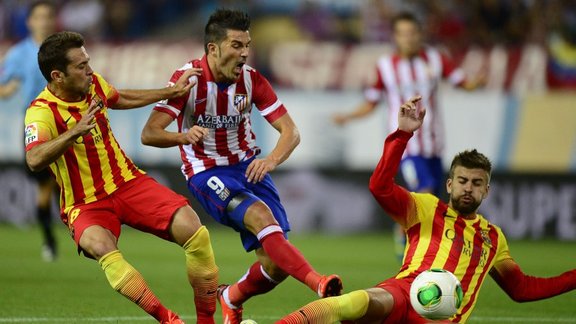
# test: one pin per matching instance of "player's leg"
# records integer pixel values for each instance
(264, 217)
(43, 213)
(369, 306)
(96, 229)
(229, 199)
(260, 278)
(188, 232)
(154, 208)
(389, 302)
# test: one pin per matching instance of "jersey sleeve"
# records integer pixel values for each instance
(521, 287)
(451, 71)
(375, 89)
(105, 90)
(394, 199)
(174, 106)
(265, 99)
(37, 127)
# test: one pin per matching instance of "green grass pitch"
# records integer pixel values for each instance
(74, 289)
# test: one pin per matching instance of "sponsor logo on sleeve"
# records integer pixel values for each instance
(31, 133)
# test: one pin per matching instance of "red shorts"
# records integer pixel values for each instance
(402, 312)
(142, 203)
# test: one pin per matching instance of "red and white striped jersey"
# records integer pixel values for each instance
(401, 78)
(225, 111)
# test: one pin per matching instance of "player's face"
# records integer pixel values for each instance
(231, 55)
(78, 77)
(407, 37)
(467, 189)
(42, 22)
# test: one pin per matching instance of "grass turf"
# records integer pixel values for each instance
(74, 289)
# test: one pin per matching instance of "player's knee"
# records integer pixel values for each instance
(97, 241)
(258, 216)
(99, 248)
(380, 303)
(184, 224)
(255, 214)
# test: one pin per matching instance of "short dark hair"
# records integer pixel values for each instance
(37, 4)
(405, 16)
(222, 20)
(53, 52)
(471, 160)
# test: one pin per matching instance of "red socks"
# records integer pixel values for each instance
(288, 258)
(254, 282)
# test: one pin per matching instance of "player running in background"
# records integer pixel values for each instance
(220, 163)
(67, 130)
(413, 69)
(450, 236)
(20, 74)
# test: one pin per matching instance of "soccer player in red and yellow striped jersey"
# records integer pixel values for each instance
(451, 236)
(67, 130)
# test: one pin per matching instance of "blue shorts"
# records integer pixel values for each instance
(423, 174)
(215, 187)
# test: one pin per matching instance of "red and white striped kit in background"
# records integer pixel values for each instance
(402, 78)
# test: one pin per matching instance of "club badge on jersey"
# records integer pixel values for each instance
(240, 102)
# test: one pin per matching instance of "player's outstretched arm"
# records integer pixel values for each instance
(394, 199)
(129, 99)
(522, 288)
(9, 88)
(361, 111)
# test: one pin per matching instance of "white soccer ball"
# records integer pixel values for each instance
(248, 321)
(436, 294)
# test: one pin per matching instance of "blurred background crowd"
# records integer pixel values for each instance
(455, 24)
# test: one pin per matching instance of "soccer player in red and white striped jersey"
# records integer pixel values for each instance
(221, 163)
(449, 235)
(414, 69)
(67, 130)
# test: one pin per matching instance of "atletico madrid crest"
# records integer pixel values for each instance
(240, 102)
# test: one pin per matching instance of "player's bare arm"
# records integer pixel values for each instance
(476, 82)
(394, 199)
(361, 111)
(289, 139)
(129, 99)
(41, 156)
(155, 134)
(8, 89)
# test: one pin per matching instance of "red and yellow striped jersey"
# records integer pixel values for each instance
(94, 166)
(439, 238)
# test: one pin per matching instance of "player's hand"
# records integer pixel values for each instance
(411, 115)
(88, 121)
(339, 119)
(183, 85)
(196, 134)
(258, 169)
(480, 80)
